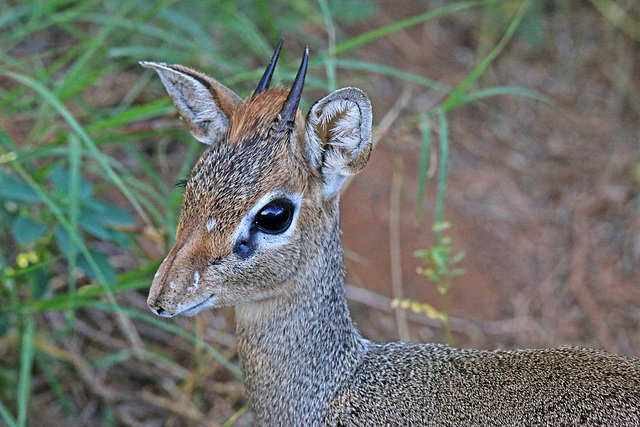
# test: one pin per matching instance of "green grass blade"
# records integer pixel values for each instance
(247, 30)
(100, 158)
(139, 112)
(188, 25)
(131, 280)
(34, 24)
(167, 36)
(86, 299)
(397, 26)
(425, 160)
(6, 416)
(503, 90)
(443, 166)
(30, 269)
(618, 17)
(26, 365)
(75, 155)
(57, 386)
(456, 96)
(231, 421)
(76, 77)
(156, 321)
(351, 64)
(330, 59)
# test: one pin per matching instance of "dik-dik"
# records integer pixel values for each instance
(259, 231)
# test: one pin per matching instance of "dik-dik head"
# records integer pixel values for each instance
(261, 195)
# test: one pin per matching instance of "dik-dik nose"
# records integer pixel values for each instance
(157, 308)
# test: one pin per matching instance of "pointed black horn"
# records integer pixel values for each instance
(287, 115)
(266, 77)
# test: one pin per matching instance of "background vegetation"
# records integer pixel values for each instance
(90, 151)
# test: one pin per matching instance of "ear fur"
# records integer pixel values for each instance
(338, 136)
(205, 105)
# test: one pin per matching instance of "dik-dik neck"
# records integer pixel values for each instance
(295, 349)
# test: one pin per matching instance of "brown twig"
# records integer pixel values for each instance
(395, 254)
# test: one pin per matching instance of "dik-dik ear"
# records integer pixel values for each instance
(205, 105)
(339, 136)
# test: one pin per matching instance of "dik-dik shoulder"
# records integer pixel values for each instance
(414, 385)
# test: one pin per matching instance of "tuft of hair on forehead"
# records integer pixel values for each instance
(256, 115)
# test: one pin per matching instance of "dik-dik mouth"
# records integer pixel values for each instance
(192, 311)
(187, 310)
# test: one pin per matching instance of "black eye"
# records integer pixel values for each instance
(275, 217)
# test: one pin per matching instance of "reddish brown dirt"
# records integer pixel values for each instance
(543, 198)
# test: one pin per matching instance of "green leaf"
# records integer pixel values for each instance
(92, 223)
(5, 323)
(351, 12)
(422, 253)
(112, 215)
(26, 231)
(12, 188)
(456, 272)
(441, 226)
(61, 178)
(39, 279)
(101, 262)
(64, 240)
(352, 64)
(458, 257)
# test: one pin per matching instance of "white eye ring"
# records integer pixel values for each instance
(251, 231)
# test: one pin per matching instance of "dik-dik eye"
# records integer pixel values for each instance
(275, 217)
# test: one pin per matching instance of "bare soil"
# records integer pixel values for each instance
(543, 198)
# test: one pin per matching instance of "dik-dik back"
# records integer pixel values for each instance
(259, 230)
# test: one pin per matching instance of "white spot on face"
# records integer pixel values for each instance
(157, 274)
(210, 225)
(196, 277)
(173, 285)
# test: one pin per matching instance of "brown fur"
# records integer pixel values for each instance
(258, 114)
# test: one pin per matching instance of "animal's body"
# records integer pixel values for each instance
(259, 230)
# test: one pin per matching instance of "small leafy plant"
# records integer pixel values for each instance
(440, 268)
(26, 218)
